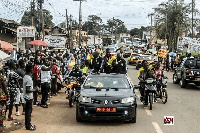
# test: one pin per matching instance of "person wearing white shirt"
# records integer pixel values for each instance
(45, 82)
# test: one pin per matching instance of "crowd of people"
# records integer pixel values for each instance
(22, 79)
(45, 71)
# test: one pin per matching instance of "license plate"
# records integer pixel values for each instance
(105, 109)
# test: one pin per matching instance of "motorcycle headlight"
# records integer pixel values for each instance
(85, 99)
(149, 81)
(128, 100)
(164, 81)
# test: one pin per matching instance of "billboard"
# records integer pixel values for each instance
(55, 41)
(25, 31)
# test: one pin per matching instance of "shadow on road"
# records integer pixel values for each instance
(15, 125)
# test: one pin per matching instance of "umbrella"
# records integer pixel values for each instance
(5, 46)
(172, 54)
(38, 43)
(4, 56)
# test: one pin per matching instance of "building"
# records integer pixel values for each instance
(8, 30)
(75, 38)
(124, 37)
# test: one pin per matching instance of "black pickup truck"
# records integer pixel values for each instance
(188, 71)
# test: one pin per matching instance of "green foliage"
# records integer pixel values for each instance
(26, 19)
(62, 25)
(116, 25)
(93, 25)
(172, 20)
(138, 33)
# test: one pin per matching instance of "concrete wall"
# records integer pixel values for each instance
(94, 40)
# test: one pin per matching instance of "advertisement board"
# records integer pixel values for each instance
(55, 41)
(25, 31)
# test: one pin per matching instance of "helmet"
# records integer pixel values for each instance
(76, 66)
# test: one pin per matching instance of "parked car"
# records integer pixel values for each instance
(133, 58)
(188, 71)
(107, 97)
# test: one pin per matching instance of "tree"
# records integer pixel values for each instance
(62, 25)
(26, 19)
(74, 25)
(135, 32)
(172, 20)
(116, 26)
(93, 25)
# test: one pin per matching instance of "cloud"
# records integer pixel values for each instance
(133, 12)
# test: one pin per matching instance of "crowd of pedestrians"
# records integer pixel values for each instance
(43, 72)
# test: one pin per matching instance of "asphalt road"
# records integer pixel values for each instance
(183, 104)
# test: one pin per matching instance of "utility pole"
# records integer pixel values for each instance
(193, 4)
(70, 35)
(41, 20)
(80, 20)
(112, 29)
(67, 29)
(151, 27)
(32, 12)
(166, 28)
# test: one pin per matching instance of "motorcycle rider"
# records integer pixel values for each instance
(143, 74)
(158, 71)
(76, 72)
(119, 65)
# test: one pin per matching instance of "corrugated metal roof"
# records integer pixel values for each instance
(12, 29)
(9, 21)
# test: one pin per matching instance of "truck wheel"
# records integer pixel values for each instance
(175, 79)
(183, 83)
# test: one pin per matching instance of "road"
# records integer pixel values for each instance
(183, 104)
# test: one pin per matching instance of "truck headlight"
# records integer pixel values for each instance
(85, 99)
(128, 100)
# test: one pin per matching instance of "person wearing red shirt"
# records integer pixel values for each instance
(54, 77)
(36, 80)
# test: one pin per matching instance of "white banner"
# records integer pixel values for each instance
(192, 43)
(25, 31)
(55, 41)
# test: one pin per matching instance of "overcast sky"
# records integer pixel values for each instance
(134, 13)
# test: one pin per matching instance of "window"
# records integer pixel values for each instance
(107, 82)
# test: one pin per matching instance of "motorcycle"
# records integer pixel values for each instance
(162, 89)
(73, 87)
(150, 92)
